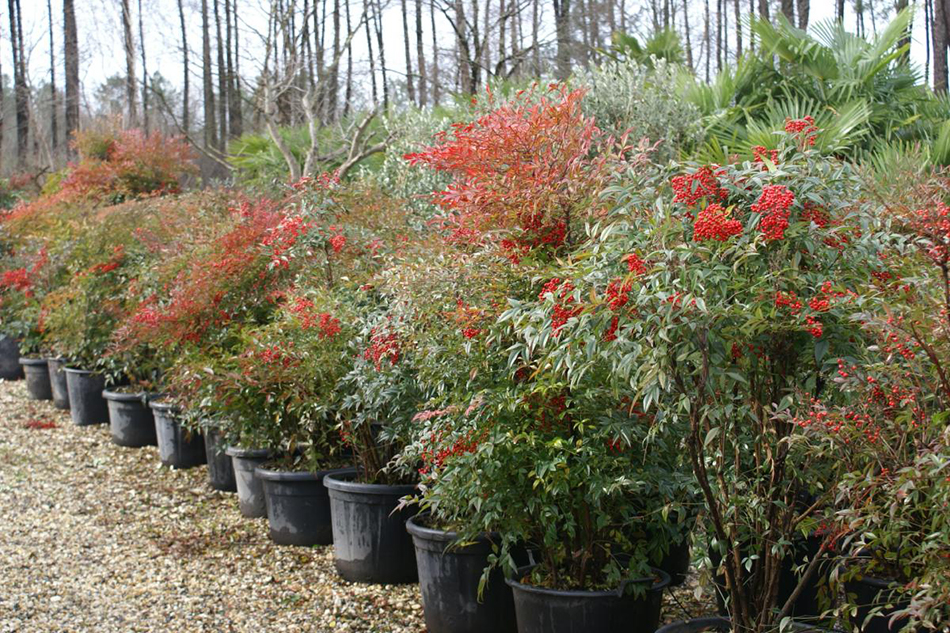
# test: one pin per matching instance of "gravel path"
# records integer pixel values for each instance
(98, 537)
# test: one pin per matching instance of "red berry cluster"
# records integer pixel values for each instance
(17, 279)
(819, 217)
(704, 183)
(610, 334)
(788, 300)
(759, 152)
(618, 293)
(337, 239)
(382, 345)
(804, 128)
(635, 264)
(713, 223)
(565, 307)
(433, 458)
(774, 204)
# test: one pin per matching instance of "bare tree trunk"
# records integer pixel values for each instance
(334, 101)
(145, 121)
(719, 59)
(706, 40)
(382, 53)
(20, 89)
(436, 88)
(502, 25)
(689, 45)
(185, 111)
(420, 56)
(940, 45)
(235, 117)
(788, 10)
(764, 9)
(71, 60)
(131, 93)
(751, 15)
(804, 8)
(839, 10)
(535, 44)
(928, 20)
(222, 80)
(53, 108)
(584, 26)
(410, 84)
(368, 12)
(348, 98)
(738, 14)
(562, 26)
(210, 126)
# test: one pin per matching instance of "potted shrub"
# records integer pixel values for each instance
(742, 280)
(370, 542)
(21, 289)
(890, 435)
(521, 200)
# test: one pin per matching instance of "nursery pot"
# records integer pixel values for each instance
(220, 467)
(87, 406)
(448, 580)
(249, 489)
(177, 447)
(542, 610)
(869, 593)
(10, 368)
(298, 506)
(57, 382)
(130, 419)
(36, 371)
(370, 542)
(676, 562)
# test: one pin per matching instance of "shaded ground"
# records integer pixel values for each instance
(98, 537)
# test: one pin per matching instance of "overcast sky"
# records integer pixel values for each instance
(100, 37)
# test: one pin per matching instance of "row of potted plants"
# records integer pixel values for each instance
(574, 361)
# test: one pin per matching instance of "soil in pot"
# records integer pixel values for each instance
(449, 578)
(220, 466)
(130, 419)
(87, 406)
(869, 593)
(10, 368)
(543, 610)
(249, 488)
(177, 447)
(370, 541)
(57, 381)
(36, 371)
(298, 505)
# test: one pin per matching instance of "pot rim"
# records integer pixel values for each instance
(442, 536)
(296, 476)
(33, 361)
(80, 372)
(120, 396)
(658, 585)
(247, 453)
(342, 482)
(164, 407)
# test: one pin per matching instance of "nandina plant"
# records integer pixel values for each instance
(22, 288)
(741, 283)
(526, 175)
(890, 435)
(276, 388)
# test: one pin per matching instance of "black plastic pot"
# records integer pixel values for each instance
(676, 562)
(541, 610)
(298, 506)
(130, 420)
(10, 368)
(220, 466)
(250, 491)
(870, 593)
(448, 579)
(57, 382)
(370, 541)
(86, 404)
(37, 378)
(177, 447)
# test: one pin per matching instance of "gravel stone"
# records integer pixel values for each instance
(100, 537)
